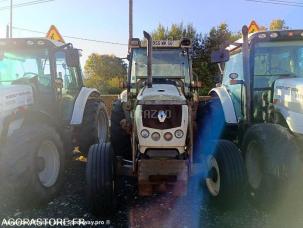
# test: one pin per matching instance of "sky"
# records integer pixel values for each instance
(108, 19)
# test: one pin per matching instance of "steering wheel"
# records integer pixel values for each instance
(30, 75)
(27, 78)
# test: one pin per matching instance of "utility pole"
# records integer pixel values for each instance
(11, 20)
(130, 21)
(7, 31)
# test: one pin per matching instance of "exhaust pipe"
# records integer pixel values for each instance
(246, 71)
(148, 37)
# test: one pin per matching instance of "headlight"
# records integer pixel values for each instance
(155, 136)
(168, 136)
(179, 134)
(145, 133)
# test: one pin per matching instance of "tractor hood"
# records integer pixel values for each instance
(289, 93)
(161, 92)
(14, 96)
(288, 100)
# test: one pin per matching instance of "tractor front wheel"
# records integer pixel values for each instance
(226, 176)
(100, 179)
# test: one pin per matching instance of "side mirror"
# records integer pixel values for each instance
(220, 56)
(72, 58)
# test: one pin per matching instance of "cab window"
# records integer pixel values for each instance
(67, 74)
(235, 65)
(70, 87)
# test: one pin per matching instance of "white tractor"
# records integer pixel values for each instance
(45, 111)
(260, 102)
(152, 133)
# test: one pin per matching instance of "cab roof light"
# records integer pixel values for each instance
(30, 42)
(290, 34)
(273, 35)
(186, 43)
(40, 42)
(135, 42)
(262, 35)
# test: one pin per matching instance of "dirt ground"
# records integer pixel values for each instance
(157, 210)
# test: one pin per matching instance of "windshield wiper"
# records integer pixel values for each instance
(277, 75)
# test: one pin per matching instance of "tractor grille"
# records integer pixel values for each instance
(150, 116)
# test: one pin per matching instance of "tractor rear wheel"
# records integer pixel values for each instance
(100, 177)
(119, 138)
(95, 124)
(272, 161)
(226, 176)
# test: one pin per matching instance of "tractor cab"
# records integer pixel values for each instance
(50, 68)
(171, 64)
(275, 59)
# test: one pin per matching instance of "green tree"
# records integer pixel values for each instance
(104, 72)
(278, 24)
(203, 45)
(219, 37)
(175, 32)
(161, 33)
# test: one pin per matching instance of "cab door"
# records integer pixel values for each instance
(71, 85)
(236, 91)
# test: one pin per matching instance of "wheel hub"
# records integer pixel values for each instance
(40, 163)
(48, 163)
(213, 177)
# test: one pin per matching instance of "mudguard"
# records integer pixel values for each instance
(293, 119)
(80, 103)
(227, 104)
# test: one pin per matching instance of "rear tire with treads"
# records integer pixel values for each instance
(94, 128)
(32, 164)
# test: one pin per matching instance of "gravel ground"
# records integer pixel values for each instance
(157, 210)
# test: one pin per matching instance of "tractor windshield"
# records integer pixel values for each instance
(17, 65)
(166, 64)
(277, 59)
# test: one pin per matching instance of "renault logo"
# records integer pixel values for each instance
(161, 116)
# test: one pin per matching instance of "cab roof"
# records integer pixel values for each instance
(30, 42)
(275, 35)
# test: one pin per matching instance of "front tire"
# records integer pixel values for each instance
(226, 177)
(272, 161)
(95, 124)
(32, 165)
(100, 179)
